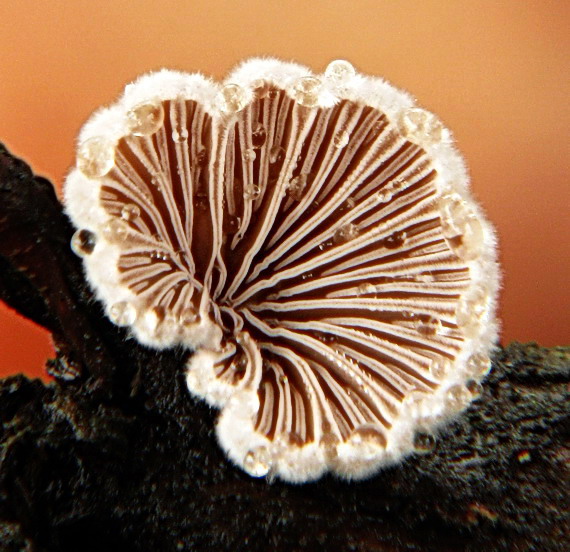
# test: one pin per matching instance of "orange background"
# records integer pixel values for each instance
(497, 74)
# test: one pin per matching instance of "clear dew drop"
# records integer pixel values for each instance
(461, 228)
(249, 154)
(421, 126)
(368, 439)
(96, 157)
(122, 313)
(475, 388)
(145, 119)
(366, 289)
(329, 443)
(429, 326)
(130, 212)
(345, 233)
(339, 72)
(276, 154)
(340, 139)
(83, 242)
(424, 443)
(471, 310)
(252, 191)
(384, 196)
(115, 230)
(478, 365)
(233, 98)
(257, 462)
(395, 240)
(258, 136)
(297, 186)
(440, 368)
(457, 397)
(306, 91)
(232, 224)
(180, 135)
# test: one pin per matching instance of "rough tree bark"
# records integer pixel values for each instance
(115, 455)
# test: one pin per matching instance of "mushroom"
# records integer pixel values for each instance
(312, 239)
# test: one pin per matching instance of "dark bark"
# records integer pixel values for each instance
(115, 455)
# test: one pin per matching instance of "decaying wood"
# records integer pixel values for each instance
(115, 455)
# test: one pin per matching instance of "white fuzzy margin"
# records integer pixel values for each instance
(235, 425)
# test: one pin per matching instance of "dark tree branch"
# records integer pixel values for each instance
(115, 454)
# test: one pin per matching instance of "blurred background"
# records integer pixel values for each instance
(497, 74)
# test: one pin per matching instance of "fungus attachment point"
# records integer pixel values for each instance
(312, 239)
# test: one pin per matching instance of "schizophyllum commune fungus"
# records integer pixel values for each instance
(312, 239)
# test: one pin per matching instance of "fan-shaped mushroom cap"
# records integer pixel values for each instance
(313, 240)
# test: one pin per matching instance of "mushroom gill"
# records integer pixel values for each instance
(311, 238)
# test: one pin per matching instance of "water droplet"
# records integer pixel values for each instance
(478, 365)
(180, 135)
(461, 228)
(249, 154)
(471, 310)
(276, 154)
(384, 196)
(475, 388)
(439, 368)
(330, 442)
(189, 318)
(122, 313)
(257, 462)
(145, 119)
(345, 233)
(252, 191)
(421, 125)
(96, 157)
(340, 139)
(232, 224)
(201, 157)
(258, 136)
(368, 438)
(306, 91)
(157, 255)
(297, 186)
(130, 212)
(115, 230)
(429, 326)
(83, 242)
(424, 443)
(339, 72)
(233, 98)
(366, 289)
(395, 240)
(457, 397)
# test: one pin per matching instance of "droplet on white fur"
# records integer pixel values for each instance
(306, 91)
(96, 157)
(457, 397)
(478, 365)
(339, 72)
(257, 462)
(115, 230)
(421, 126)
(461, 227)
(122, 313)
(233, 98)
(145, 119)
(83, 242)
